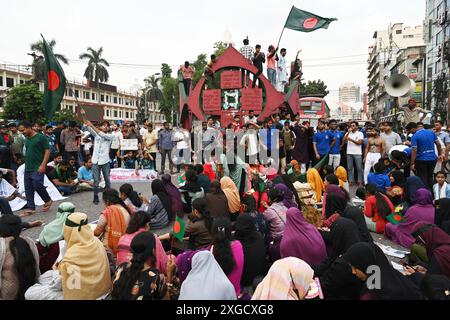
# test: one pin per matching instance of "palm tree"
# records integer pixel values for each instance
(151, 91)
(38, 55)
(96, 70)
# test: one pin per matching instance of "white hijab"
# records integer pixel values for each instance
(206, 280)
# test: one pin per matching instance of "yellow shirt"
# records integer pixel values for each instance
(149, 138)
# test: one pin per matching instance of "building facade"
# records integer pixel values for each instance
(103, 103)
(349, 92)
(437, 35)
(383, 56)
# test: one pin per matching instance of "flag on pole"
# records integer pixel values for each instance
(55, 82)
(178, 228)
(305, 21)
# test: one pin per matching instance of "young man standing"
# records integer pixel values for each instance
(390, 137)
(258, 60)
(412, 112)
(354, 139)
(251, 117)
(51, 141)
(100, 155)
(165, 146)
(36, 158)
(282, 70)
(272, 58)
(335, 152)
(187, 72)
(323, 141)
(70, 140)
(423, 157)
(150, 140)
(375, 148)
(114, 152)
(17, 143)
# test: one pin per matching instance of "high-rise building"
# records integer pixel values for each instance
(349, 92)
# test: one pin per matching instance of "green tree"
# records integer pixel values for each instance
(169, 103)
(38, 65)
(152, 92)
(166, 71)
(65, 115)
(314, 88)
(24, 102)
(96, 70)
(199, 66)
(219, 48)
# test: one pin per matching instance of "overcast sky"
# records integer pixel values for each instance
(153, 32)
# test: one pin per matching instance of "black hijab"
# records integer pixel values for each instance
(159, 190)
(344, 234)
(255, 263)
(334, 204)
(393, 284)
(399, 178)
(356, 214)
(442, 215)
(413, 184)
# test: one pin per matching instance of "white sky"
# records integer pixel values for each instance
(172, 31)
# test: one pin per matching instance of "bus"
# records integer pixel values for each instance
(312, 109)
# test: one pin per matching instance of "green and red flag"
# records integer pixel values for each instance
(55, 82)
(395, 218)
(305, 21)
(178, 228)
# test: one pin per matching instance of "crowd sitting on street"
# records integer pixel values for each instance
(253, 231)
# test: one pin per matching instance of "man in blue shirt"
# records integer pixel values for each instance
(165, 146)
(86, 176)
(323, 141)
(379, 178)
(423, 156)
(335, 152)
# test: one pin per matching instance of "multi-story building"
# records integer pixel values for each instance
(103, 103)
(437, 35)
(382, 57)
(349, 92)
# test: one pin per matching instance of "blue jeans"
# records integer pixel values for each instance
(105, 169)
(351, 174)
(34, 182)
(272, 75)
(66, 190)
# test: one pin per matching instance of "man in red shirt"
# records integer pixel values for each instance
(187, 73)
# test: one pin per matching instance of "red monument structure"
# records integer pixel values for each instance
(230, 93)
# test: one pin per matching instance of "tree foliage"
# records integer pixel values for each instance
(199, 66)
(166, 71)
(219, 48)
(39, 62)
(65, 115)
(24, 102)
(96, 70)
(169, 102)
(314, 88)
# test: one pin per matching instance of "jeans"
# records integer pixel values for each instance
(187, 85)
(35, 182)
(351, 174)
(105, 169)
(424, 170)
(167, 153)
(66, 190)
(334, 161)
(256, 77)
(272, 75)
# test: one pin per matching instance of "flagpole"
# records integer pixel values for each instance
(284, 27)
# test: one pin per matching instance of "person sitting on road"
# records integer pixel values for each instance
(62, 180)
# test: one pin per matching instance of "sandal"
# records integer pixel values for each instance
(47, 206)
(36, 223)
(27, 213)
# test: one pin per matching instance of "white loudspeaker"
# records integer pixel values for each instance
(400, 85)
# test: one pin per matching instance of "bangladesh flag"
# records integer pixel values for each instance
(178, 228)
(55, 82)
(305, 21)
(395, 218)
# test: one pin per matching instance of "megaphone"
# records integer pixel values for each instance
(400, 85)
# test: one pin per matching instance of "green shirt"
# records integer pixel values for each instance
(36, 147)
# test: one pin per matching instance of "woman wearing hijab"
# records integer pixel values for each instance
(288, 279)
(255, 263)
(301, 239)
(288, 196)
(437, 246)
(334, 273)
(174, 194)
(316, 183)
(206, 280)
(191, 190)
(442, 214)
(113, 221)
(341, 173)
(392, 284)
(140, 279)
(140, 222)
(332, 186)
(413, 184)
(48, 245)
(275, 215)
(421, 211)
(19, 260)
(85, 254)
(160, 206)
(232, 194)
(217, 201)
(397, 191)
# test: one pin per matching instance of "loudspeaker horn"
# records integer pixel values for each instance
(400, 85)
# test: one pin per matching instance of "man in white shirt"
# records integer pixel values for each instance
(250, 141)
(182, 138)
(114, 152)
(282, 70)
(354, 139)
(251, 117)
(143, 129)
